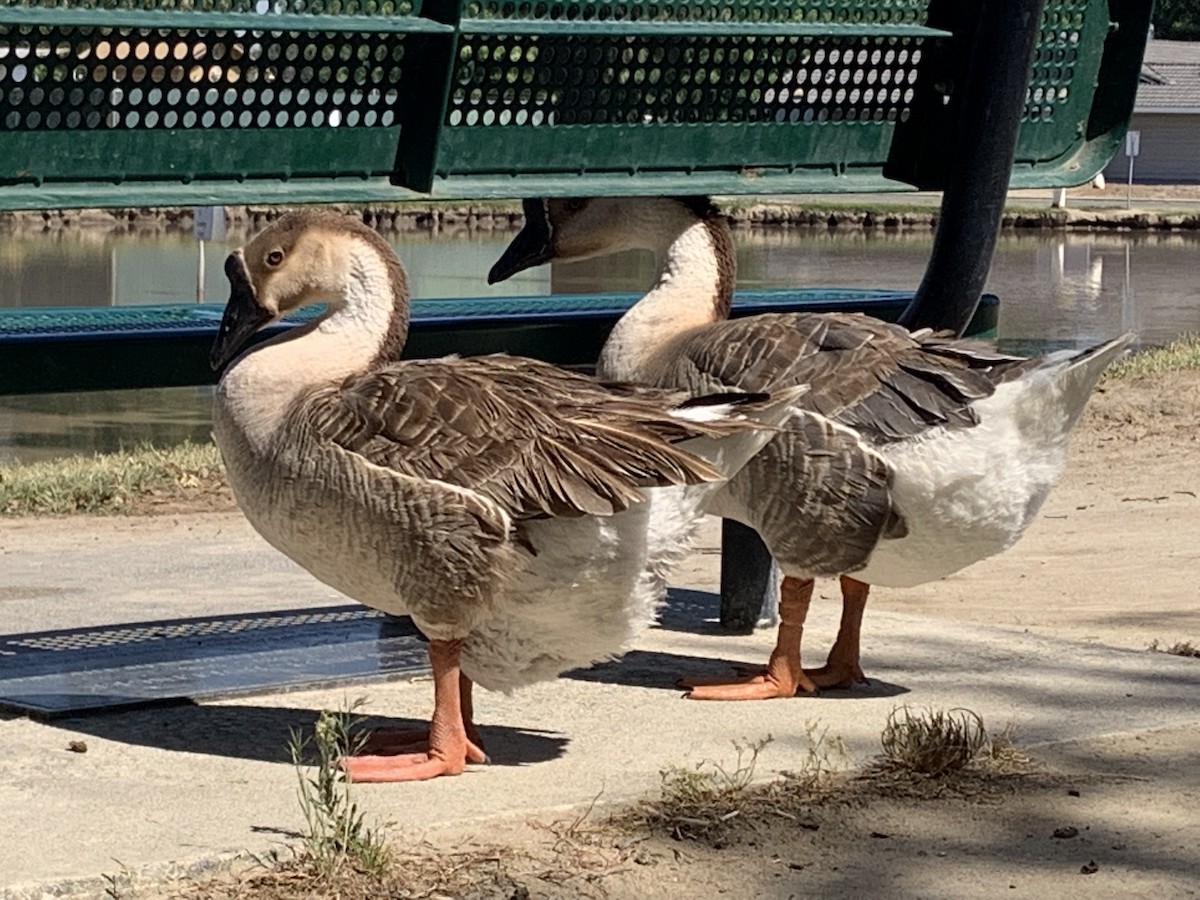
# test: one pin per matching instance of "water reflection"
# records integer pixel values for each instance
(1056, 289)
(127, 270)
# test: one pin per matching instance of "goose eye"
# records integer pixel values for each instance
(575, 204)
(274, 258)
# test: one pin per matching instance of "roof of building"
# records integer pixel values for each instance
(1170, 79)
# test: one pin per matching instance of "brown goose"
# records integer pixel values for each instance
(921, 456)
(525, 516)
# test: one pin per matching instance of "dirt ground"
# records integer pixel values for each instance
(1114, 558)
(1110, 818)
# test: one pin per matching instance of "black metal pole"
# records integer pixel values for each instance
(990, 103)
(746, 577)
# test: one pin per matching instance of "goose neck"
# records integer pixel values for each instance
(694, 288)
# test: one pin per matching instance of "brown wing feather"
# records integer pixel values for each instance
(539, 440)
(878, 378)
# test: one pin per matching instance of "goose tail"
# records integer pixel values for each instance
(1077, 372)
(765, 414)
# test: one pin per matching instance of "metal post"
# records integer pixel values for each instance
(1129, 187)
(991, 103)
(748, 579)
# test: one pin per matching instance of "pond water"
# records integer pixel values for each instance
(1055, 288)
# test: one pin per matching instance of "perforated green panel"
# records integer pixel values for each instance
(596, 88)
(137, 101)
(1061, 80)
(308, 7)
(509, 81)
(726, 11)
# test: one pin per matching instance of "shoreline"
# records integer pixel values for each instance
(438, 217)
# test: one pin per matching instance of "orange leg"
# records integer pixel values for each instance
(384, 741)
(784, 675)
(449, 747)
(842, 668)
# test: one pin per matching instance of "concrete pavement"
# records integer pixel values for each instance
(163, 787)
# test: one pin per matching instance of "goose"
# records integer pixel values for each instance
(525, 516)
(922, 455)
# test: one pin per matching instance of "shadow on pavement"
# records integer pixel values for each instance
(262, 733)
(660, 670)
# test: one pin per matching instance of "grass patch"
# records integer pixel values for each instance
(126, 482)
(1177, 356)
(704, 802)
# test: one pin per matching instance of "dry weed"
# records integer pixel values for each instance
(937, 754)
(707, 801)
(1179, 648)
(932, 742)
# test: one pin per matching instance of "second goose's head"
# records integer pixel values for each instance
(307, 257)
(581, 228)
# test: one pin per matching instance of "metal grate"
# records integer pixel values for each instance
(1054, 59)
(261, 7)
(35, 323)
(96, 78)
(593, 80)
(119, 636)
(204, 101)
(58, 673)
(235, 90)
(823, 12)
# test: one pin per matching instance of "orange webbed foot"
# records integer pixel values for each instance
(416, 765)
(765, 685)
(783, 675)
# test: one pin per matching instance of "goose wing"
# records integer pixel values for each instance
(536, 439)
(881, 380)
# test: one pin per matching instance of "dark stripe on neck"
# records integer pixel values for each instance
(397, 333)
(722, 241)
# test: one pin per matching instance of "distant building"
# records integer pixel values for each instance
(1167, 115)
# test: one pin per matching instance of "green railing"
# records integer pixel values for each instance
(46, 350)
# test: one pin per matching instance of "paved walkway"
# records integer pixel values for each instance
(166, 786)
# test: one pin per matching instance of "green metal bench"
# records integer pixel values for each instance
(173, 102)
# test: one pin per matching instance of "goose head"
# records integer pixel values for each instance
(303, 258)
(586, 227)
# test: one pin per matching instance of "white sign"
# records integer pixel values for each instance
(1133, 143)
(208, 223)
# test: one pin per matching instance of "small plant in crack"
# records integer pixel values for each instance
(336, 834)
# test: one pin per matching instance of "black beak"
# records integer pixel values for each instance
(532, 247)
(243, 316)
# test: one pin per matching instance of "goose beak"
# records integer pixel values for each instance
(243, 316)
(532, 247)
